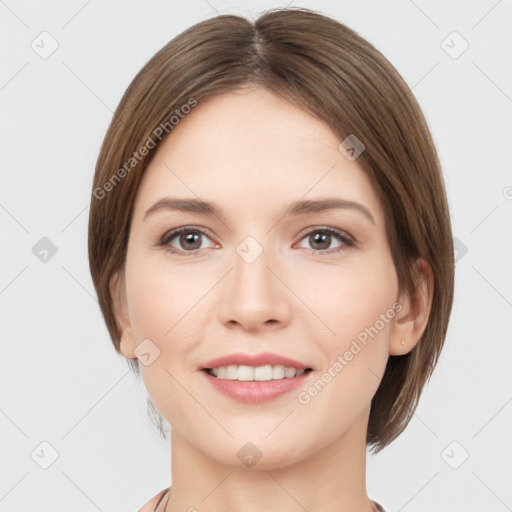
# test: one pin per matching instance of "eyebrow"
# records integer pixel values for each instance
(299, 207)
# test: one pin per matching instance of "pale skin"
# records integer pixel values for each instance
(252, 153)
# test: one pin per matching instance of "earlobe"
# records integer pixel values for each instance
(127, 343)
(411, 320)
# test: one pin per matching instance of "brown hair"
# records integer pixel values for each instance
(328, 70)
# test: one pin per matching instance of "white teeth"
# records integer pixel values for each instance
(278, 372)
(263, 372)
(258, 373)
(231, 372)
(245, 372)
(289, 372)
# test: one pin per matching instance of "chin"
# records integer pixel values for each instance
(258, 455)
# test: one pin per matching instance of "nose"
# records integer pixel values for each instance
(254, 297)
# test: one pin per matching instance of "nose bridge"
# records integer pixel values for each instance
(253, 295)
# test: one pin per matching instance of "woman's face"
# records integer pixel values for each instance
(254, 278)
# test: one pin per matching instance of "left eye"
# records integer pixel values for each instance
(321, 239)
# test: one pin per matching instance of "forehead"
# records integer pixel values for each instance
(252, 150)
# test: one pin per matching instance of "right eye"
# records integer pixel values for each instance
(188, 238)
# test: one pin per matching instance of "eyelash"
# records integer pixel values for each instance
(347, 240)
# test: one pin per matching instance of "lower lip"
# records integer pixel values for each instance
(256, 392)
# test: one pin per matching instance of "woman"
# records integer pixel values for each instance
(302, 323)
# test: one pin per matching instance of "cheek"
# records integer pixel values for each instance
(160, 296)
(347, 299)
(356, 303)
(167, 307)
(358, 308)
(158, 309)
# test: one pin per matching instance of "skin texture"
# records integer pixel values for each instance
(253, 153)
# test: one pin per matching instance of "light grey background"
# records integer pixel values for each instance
(61, 381)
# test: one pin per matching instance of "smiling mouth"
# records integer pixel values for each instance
(255, 373)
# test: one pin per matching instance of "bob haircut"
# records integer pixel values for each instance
(326, 69)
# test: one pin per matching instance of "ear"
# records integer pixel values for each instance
(411, 319)
(127, 343)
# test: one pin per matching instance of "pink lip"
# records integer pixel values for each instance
(255, 392)
(256, 360)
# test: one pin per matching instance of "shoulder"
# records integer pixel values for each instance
(151, 505)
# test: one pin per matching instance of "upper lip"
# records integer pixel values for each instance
(254, 360)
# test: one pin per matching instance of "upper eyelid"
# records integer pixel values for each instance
(330, 229)
(172, 233)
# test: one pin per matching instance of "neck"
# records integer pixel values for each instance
(332, 479)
